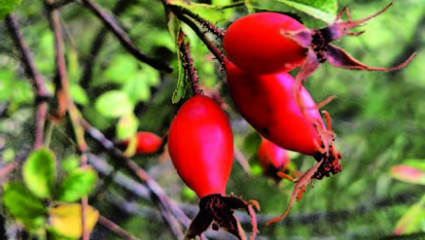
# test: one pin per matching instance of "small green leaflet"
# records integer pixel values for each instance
(7, 6)
(174, 27)
(39, 172)
(78, 184)
(324, 10)
(413, 220)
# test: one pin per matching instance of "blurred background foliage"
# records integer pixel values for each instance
(378, 117)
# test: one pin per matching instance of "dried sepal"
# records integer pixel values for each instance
(217, 210)
(340, 58)
(299, 188)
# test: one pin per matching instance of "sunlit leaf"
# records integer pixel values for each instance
(78, 94)
(77, 185)
(174, 26)
(121, 69)
(213, 13)
(408, 174)
(66, 219)
(324, 10)
(127, 126)
(7, 6)
(413, 220)
(70, 163)
(39, 172)
(114, 104)
(21, 203)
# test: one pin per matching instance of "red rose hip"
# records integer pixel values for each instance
(256, 44)
(200, 143)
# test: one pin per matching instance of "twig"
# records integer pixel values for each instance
(125, 41)
(98, 43)
(157, 195)
(33, 74)
(217, 32)
(213, 48)
(6, 170)
(188, 64)
(66, 103)
(115, 228)
(240, 158)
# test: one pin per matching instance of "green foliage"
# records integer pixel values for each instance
(21, 203)
(324, 10)
(413, 220)
(114, 104)
(76, 185)
(127, 126)
(7, 6)
(39, 172)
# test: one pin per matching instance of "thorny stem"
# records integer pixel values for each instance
(217, 32)
(113, 227)
(66, 103)
(211, 47)
(98, 43)
(125, 41)
(188, 64)
(33, 74)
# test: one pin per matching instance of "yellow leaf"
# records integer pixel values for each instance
(65, 219)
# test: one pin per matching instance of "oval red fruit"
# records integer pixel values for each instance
(146, 142)
(269, 104)
(256, 44)
(272, 156)
(200, 144)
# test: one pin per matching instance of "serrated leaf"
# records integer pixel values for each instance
(66, 219)
(7, 6)
(214, 13)
(324, 10)
(21, 203)
(114, 104)
(127, 126)
(413, 220)
(39, 172)
(77, 185)
(408, 174)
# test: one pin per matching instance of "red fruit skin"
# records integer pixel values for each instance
(269, 154)
(200, 143)
(147, 142)
(269, 104)
(255, 43)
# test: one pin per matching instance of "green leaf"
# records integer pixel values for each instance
(21, 203)
(121, 69)
(78, 94)
(70, 163)
(408, 174)
(39, 172)
(213, 13)
(7, 6)
(127, 126)
(174, 27)
(415, 163)
(413, 220)
(114, 104)
(324, 10)
(77, 185)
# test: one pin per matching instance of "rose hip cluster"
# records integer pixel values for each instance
(261, 49)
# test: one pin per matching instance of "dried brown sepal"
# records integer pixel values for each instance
(218, 210)
(327, 154)
(340, 58)
(299, 187)
(320, 50)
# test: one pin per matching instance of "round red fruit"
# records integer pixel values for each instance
(272, 156)
(146, 142)
(256, 43)
(200, 144)
(270, 104)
